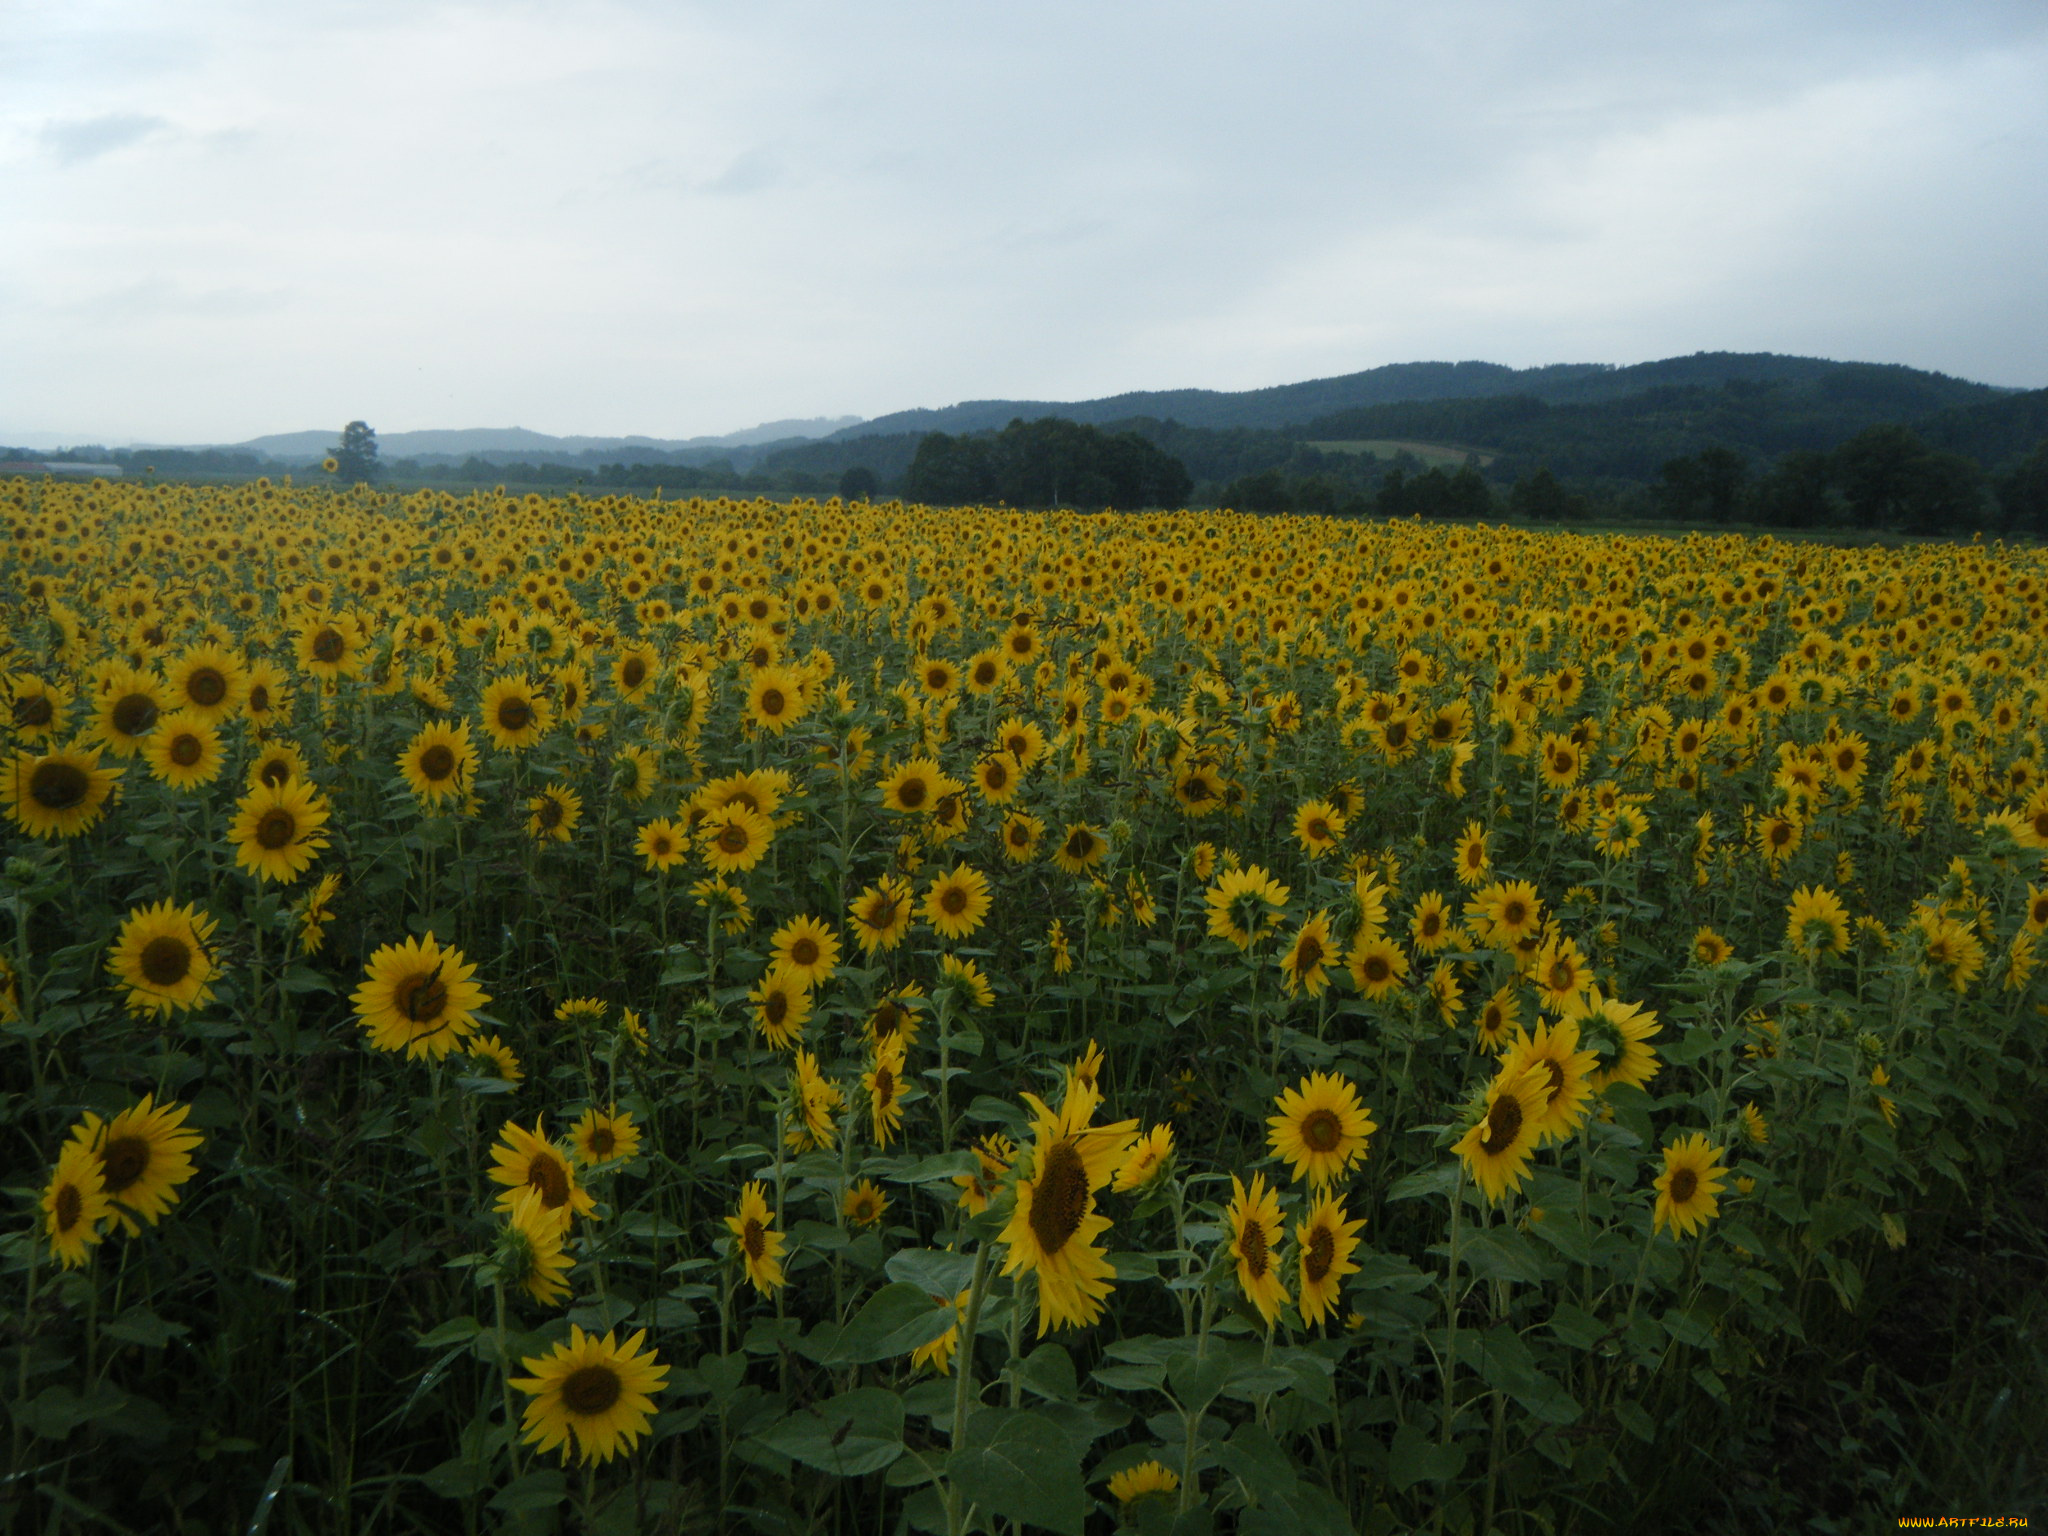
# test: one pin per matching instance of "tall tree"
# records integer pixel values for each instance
(355, 456)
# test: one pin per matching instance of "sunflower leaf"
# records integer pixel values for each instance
(850, 1435)
(1019, 1464)
(897, 1320)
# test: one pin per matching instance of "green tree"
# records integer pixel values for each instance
(355, 457)
(859, 483)
(2023, 493)
(1540, 498)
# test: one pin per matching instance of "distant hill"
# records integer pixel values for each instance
(449, 445)
(1295, 405)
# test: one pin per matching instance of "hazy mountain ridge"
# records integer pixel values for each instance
(466, 442)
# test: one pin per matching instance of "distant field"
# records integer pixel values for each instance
(1386, 448)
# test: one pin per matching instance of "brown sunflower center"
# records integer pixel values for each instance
(275, 771)
(602, 1141)
(122, 1161)
(995, 776)
(166, 960)
(34, 712)
(1377, 970)
(58, 786)
(1308, 954)
(546, 1174)
(775, 1006)
(1080, 845)
(329, 645)
(259, 698)
(1321, 1255)
(1061, 1198)
(206, 687)
(773, 702)
(911, 793)
(953, 900)
(1321, 1131)
(277, 828)
(514, 714)
(633, 673)
(733, 838)
(1513, 914)
(550, 812)
(1252, 1249)
(804, 951)
(186, 749)
(70, 1207)
(133, 713)
(753, 1238)
(437, 763)
(1684, 1183)
(591, 1390)
(422, 998)
(1503, 1125)
(1556, 1078)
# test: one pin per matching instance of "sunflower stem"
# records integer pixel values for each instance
(505, 1381)
(963, 1386)
(1450, 1364)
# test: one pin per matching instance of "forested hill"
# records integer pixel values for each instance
(1295, 405)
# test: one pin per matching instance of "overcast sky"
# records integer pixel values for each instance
(220, 219)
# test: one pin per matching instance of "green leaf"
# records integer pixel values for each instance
(936, 1271)
(1416, 1458)
(1638, 1423)
(850, 1435)
(1501, 1255)
(922, 1170)
(1440, 1180)
(1255, 1458)
(1049, 1371)
(457, 1330)
(897, 1320)
(1021, 1466)
(139, 1325)
(543, 1488)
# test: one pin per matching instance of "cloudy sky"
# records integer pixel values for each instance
(220, 219)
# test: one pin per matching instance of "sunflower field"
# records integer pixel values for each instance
(629, 1015)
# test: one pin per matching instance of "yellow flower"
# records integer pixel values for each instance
(734, 839)
(439, 762)
(864, 1204)
(605, 1136)
(880, 915)
(523, 1160)
(417, 997)
(808, 947)
(1304, 965)
(1148, 1479)
(1322, 1129)
(1324, 1242)
(1567, 1072)
(883, 1081)
(279, 830)
(1254, 1242)
(1687, 1187)
(782, 1005)
(1318, 827)
(1497, 1149)
(594, 1392)
(1244, 905)
(145, 1155)
(1148, 1158)
(184, 751)
(760, 1246)
(75, 1204)
(530, 1255)
(161, 957)
(660, 843)
(957, 902)
(1053, 1229)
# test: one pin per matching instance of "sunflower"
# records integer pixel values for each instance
(1498, 1147)
(1568, 1075)
(1472, 859)
(207, 683)
(1687, 1187)
(997, 778)
(523, 1159)
(1021, 834)
(276, 763)
(594, 1391)
(1324, 1242)
(1052, 1231)
(1304, 965)
(880, 915)
(330, 648)
(1322, 1128)
(75, 1204)
(269, 693)
(37, 707)
(1618, 1034)
(1755, 1128)
(144, 1154)
(1244, 905)
(605, 1136)
(439, 761)
(515, 716)
(782, 1005)
(496, 1059)
(277, 832)
(553, 814)
(1561, 975)
(530, 1255)
(315, 910)
(915, 787)
(808, 947)
(1318, 827)
(184, 752)
(1148, 1479)
(957, 902)
(1505, 912)
(1497, 1020)
(417, 997)
(734, 839)
(992, 1156)
(1377, 965)
(1431, 926)
(660, 843)
(1709, 948)
(635, 672)
(895, 1013)
(636, 773)
(883, 1081)
(775, 698)
(818, 1099)
(57, 794)
(160, 956)
(967, 981)
(760, 1246)
(1081, 849)
(1147, 1159)
(864, 1204)
(1022, 739)
(1816, 921)
(1254, 1241)
(126, 707)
